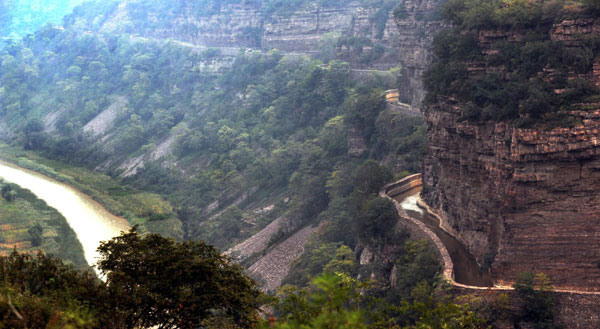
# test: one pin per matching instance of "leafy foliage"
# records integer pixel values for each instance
(156, 281)
(334, 303)
(150, 281)
(538, 306)
(337, 301)
(41, 292)
(517, 85)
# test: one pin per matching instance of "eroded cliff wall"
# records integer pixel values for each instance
(307, 30)
(417, 23)
(374, 37)
(521, 199)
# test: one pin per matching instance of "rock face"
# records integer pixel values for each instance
(417, 22)
(521, 199)
(405, 38)
(252, 26)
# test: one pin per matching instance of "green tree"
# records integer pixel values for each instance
(377, 219)
(37, 291)
(7, 192)
(369, 177)
(333, 302)
(36, 232)
(156, 281)
(538, 306)
(431, 309)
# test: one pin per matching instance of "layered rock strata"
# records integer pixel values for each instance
(519, 199)
(405, 37)
(252, 26)
(574, 309)
(417, 24)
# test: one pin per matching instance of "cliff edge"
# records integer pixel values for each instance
(522, 197)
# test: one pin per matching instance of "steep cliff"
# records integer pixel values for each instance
(367, 28)
(522, 199)
(370, 34)
(418, 21)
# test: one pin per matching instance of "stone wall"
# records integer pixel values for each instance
(415, 228)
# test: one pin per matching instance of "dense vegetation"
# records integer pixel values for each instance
(338, 301)
(257, 130)
(150, 281)
(209, 139)
(153, 281)
(268, 126)
(528, 77)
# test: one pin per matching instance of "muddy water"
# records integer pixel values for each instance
(90, 221)
(466, 270)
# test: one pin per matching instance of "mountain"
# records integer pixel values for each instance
(267, 128)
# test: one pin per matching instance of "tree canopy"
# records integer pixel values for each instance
(151, 281)
(157, 281)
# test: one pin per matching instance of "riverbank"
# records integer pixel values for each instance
(137, 207)
(28, 224)
(91, 222)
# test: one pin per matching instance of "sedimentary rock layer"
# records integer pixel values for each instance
(519, 199)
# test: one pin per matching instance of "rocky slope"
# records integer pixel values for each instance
(521, 199)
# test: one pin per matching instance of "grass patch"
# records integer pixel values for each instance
(28, 224)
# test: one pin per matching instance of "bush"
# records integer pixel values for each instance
(377, 220)
(538, 307)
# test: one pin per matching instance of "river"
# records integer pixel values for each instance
(90, 221)
(466, 269)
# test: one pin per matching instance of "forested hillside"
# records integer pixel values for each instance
(233, 141)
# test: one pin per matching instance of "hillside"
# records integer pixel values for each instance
(289, 134)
